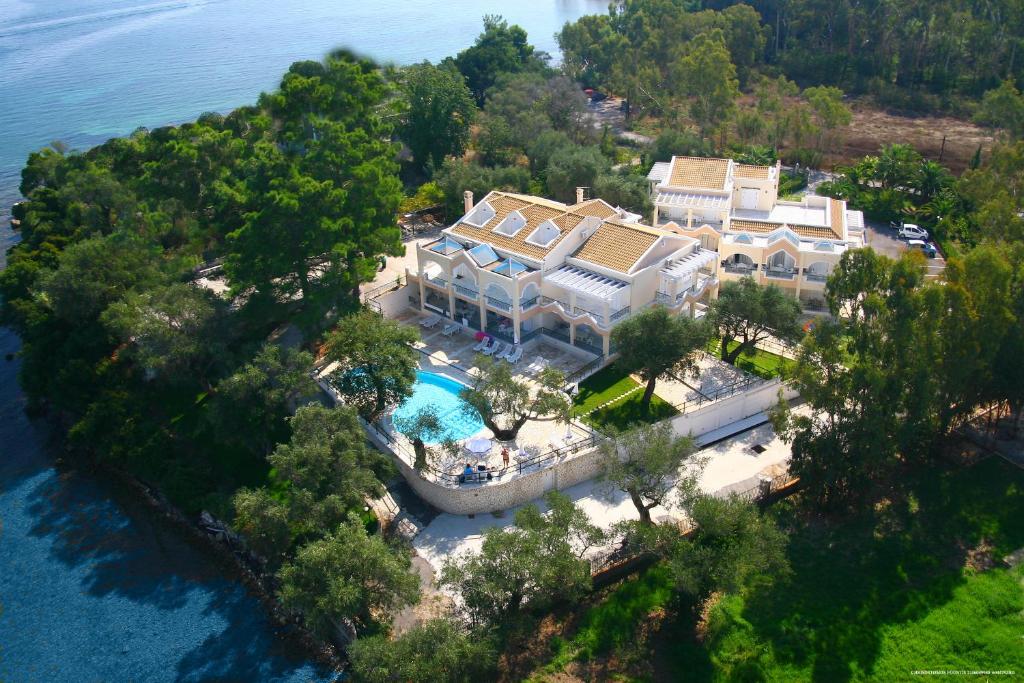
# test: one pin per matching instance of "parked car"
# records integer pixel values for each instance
(913, 232)
(927, 248)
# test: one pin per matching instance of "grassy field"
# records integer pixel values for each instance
(608, 385)
(911, 584)
(757, 362)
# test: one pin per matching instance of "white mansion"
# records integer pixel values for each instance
(516, 266)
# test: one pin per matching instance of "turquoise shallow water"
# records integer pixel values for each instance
(442, 394)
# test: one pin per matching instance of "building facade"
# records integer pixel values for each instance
(517, 266)
(734, 210)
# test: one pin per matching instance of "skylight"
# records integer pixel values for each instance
(447, 247)
(483, 255)
(546, 233)
(786, 234)
(824, 246)
(512, 223)
(509, 268)
(744, 238)
(482, 213)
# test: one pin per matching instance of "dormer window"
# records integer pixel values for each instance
(512, 224)
(546, 233)
(480, 214)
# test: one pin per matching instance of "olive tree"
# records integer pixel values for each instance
(377, 362)
(505, 403)
(644, 463)
(536, 562)
(748, 313)
(347, 574)
(656, 344)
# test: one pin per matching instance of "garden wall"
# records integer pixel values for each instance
(396, 302)
(718, 414)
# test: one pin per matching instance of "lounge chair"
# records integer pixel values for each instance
(515, 355)
(491, 350)
(451, 329)
(482, 344)
(430, 322)
(501, 355)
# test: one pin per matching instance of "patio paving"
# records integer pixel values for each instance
(732, 466)
(715, 375)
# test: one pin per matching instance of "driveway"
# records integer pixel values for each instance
(886, 241)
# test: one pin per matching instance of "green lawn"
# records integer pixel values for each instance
(876, 597)
(609, 384)
(869, 598)
(757, 362)
(601, 387)
(610, 626)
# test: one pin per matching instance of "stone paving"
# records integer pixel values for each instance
(715, 375)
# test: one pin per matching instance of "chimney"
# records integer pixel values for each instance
(467, 200)
(579, 194)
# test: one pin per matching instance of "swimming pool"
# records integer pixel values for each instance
(443, 395)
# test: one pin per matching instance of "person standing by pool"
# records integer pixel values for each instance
(504, 455)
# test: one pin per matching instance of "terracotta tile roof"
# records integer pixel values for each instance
(535, 210)
(836, 210)
(709, 174)
(764, 227)
(747, 171)
(594, 207)
(617, 246)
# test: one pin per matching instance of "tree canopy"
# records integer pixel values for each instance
(347, 574)
(439, 111)
(656, 344)
(536, 562)
(747, 313)
(505, 402)
(645, 463)
(377, 364)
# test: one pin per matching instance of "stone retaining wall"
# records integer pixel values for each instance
(479, 498)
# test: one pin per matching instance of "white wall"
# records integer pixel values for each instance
(719, 414)
(393, 303)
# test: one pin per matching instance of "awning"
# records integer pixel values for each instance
(688, 265)
(692, 200)
(586, 282)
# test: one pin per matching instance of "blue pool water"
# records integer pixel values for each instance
(442, 394)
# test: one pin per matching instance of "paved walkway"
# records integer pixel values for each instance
(732, 465)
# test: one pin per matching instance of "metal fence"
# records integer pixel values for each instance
(372, 294)
(537, 462)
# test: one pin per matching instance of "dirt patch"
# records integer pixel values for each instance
(871, 129)
(981, 557)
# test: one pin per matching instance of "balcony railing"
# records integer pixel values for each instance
(499, 303)
(815, 277)
(739, 269)
(467, 292)
(438, 281)
(619, 314)
(526, 304)
(780, 274)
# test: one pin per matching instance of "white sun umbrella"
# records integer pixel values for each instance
(478, 444)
